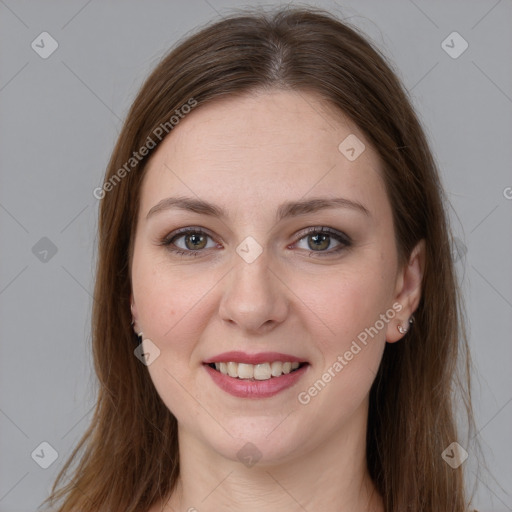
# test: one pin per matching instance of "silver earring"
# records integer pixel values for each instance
(403, 330)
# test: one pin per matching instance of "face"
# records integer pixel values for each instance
(258, 274)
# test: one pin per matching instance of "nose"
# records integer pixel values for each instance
(254, 298)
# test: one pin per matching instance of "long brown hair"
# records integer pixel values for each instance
(128, 457)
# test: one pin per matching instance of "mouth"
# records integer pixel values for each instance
(257, 372)
(255, 381)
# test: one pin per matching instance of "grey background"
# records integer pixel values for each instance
(59, 119)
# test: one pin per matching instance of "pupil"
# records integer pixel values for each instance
(195, 238)
(320, 238)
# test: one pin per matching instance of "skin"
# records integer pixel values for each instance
(248, 155)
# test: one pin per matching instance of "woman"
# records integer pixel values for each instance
(277, 321)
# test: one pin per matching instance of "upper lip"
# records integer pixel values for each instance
(261, 357)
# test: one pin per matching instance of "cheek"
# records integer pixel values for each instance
(163, 295)
(352, 347)
(169, 309)
(173, 306)
(346, 303)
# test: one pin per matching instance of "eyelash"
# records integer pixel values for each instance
(344, 240)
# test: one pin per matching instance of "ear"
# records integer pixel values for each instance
(407, 291)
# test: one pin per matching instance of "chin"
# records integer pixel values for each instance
(255, 440)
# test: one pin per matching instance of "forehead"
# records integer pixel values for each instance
(260, 148)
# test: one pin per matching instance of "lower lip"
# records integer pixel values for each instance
(247, 388)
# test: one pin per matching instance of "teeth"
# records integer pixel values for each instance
(262, 371)
(245, 371)
(232, 369)
(276, 368)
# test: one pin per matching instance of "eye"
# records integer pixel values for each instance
(187, 241)
(320, 238)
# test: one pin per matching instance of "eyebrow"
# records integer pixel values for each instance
(286, 210)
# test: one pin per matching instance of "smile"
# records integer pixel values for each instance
(262, 371)
(256, 381)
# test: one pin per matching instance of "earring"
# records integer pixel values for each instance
(403, 330)
(138, 337)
